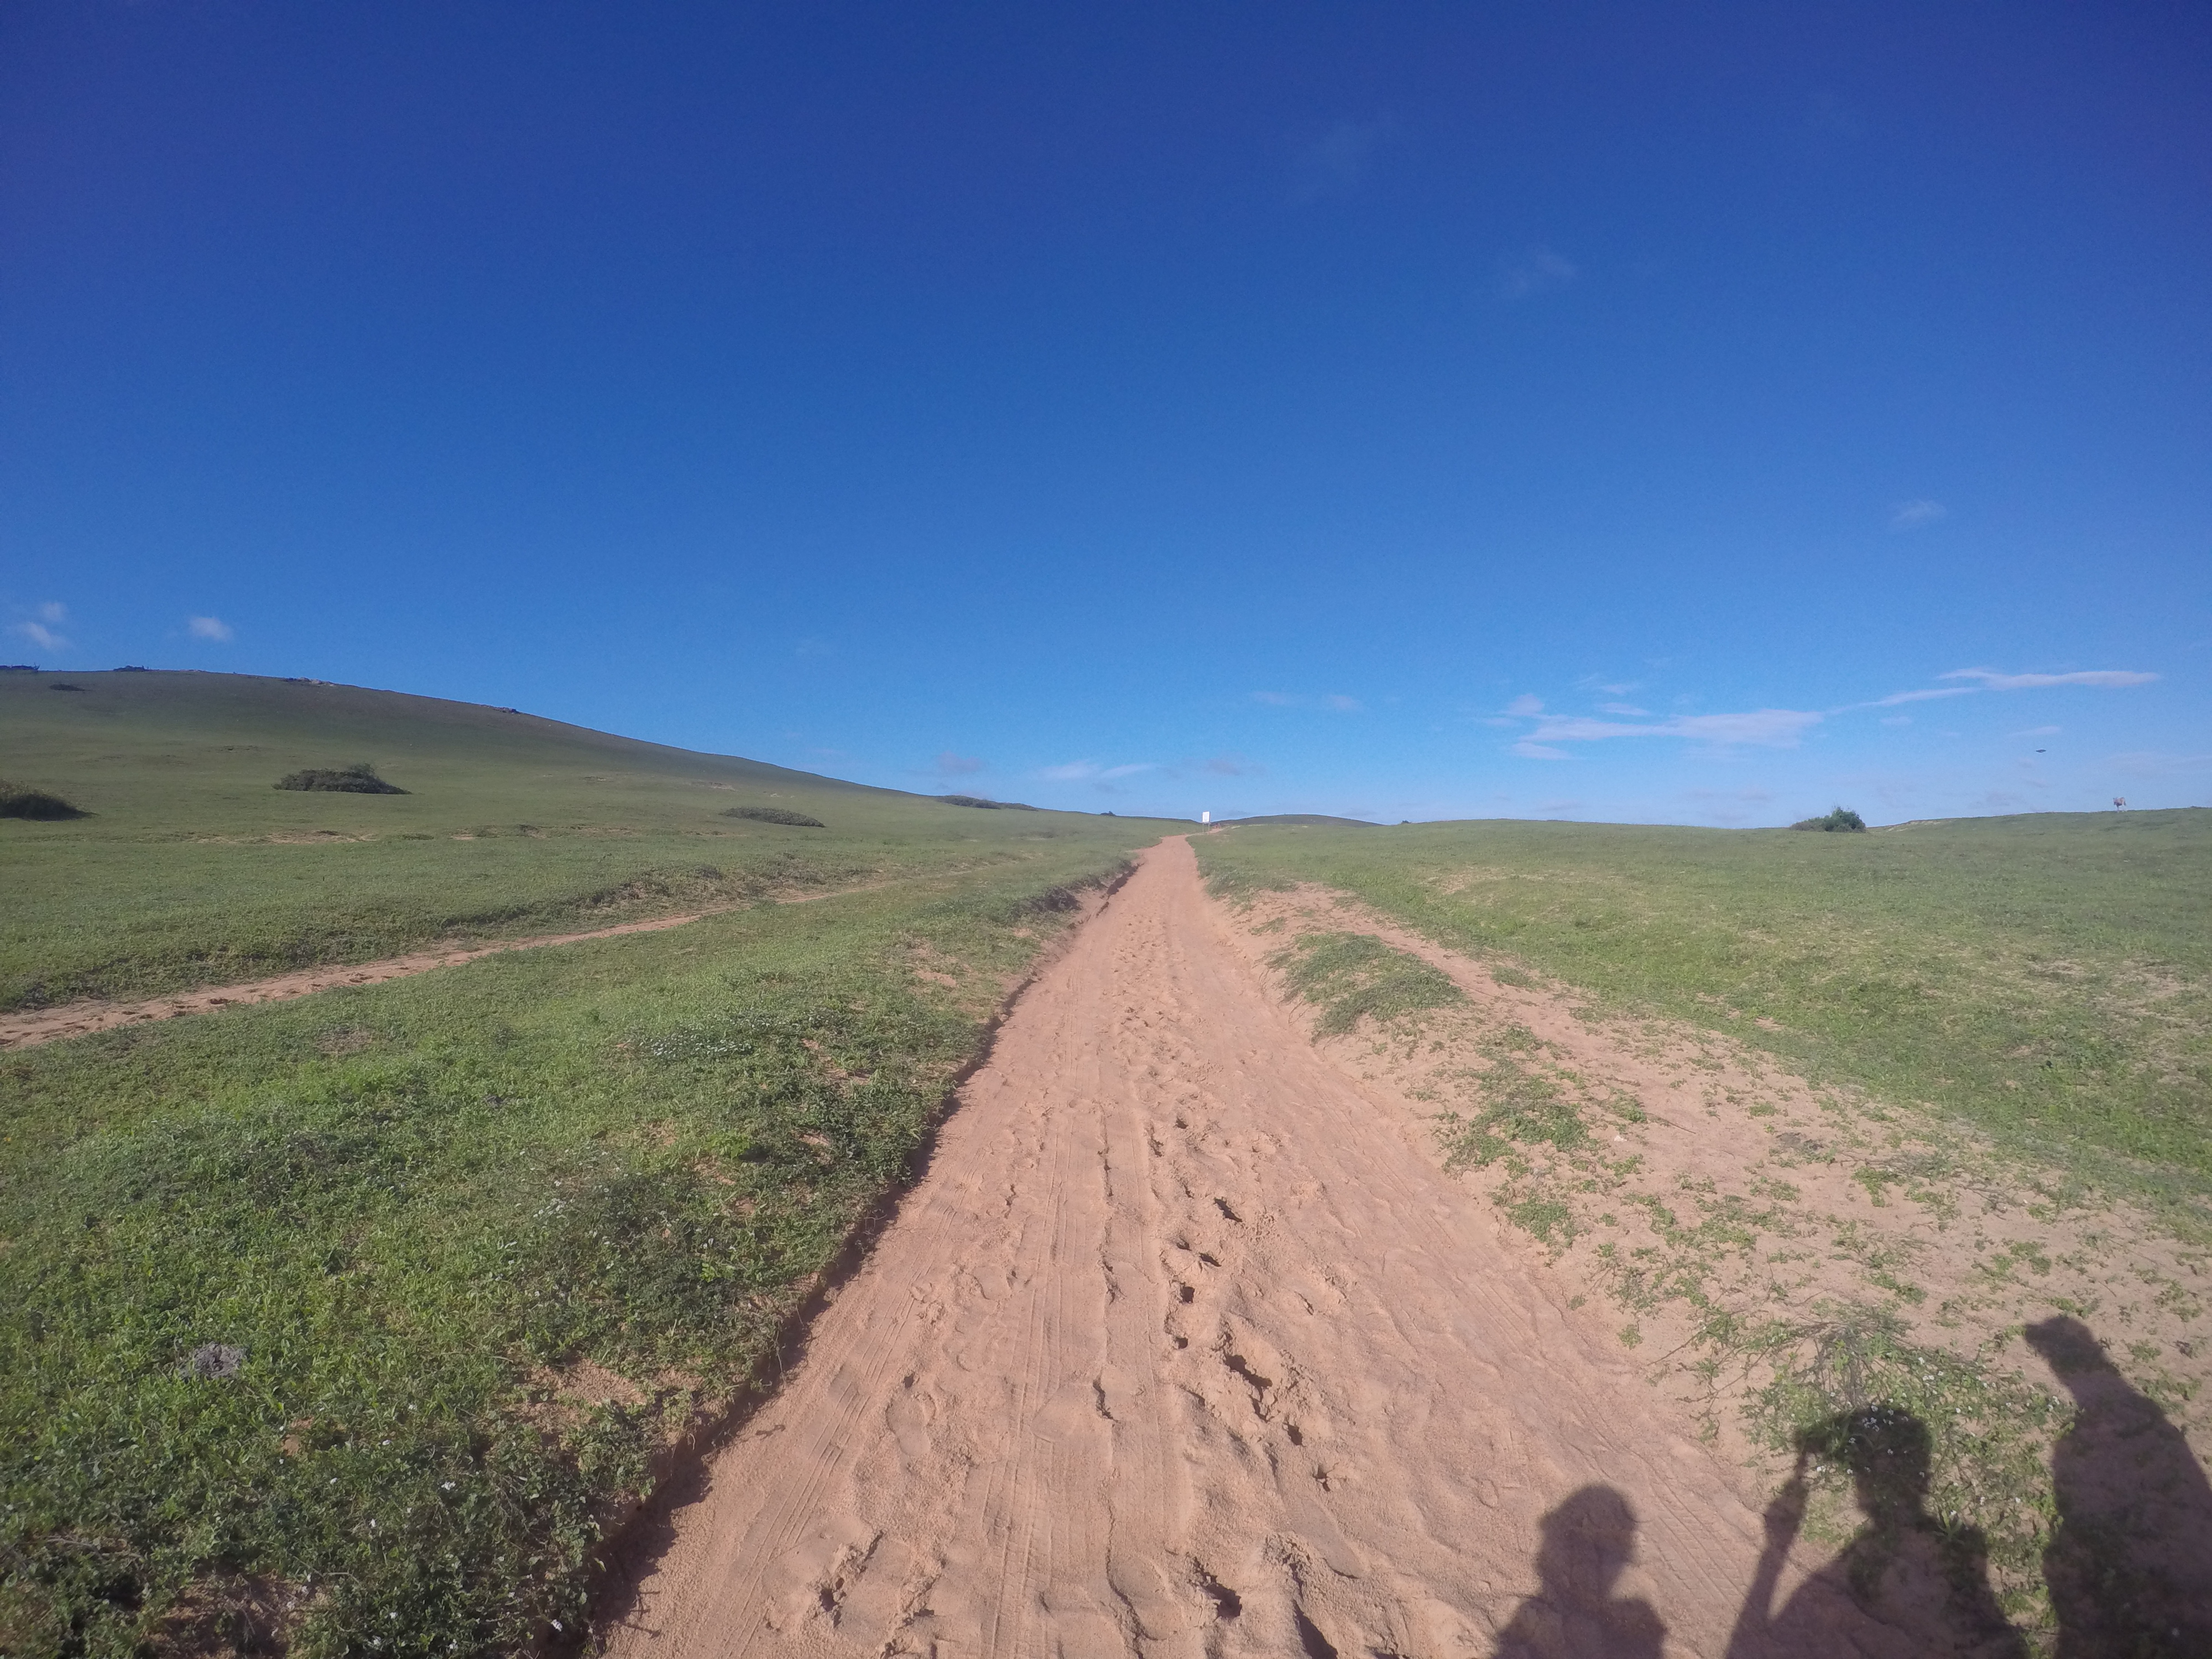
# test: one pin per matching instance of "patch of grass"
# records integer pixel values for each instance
(1988, 1431)
(2047, 978)
(358, 779)
(775, 815)
(1518, 1107)
(1354, 976)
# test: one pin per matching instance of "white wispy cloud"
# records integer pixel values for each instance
(951, 765)
(2037, 732)
(44, 629)
(1339, 162)
(1533, 272)
(1622, 709)
(210, 628)
(1897, 697)
(1990, 680)
(1772, 728)
(1528, 703)
(1233, 765)
(1336, 700)
(39, 635)
(1917, 514)
(1076, 771)
(1529, 751)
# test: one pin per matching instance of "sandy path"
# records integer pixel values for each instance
(1185, 1346)
(28, 1029)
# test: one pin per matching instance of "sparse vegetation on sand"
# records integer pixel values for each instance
(19, 800)
(2006, 1031)
(775, 815)
(358, 779)
(2046, 979)
(355, 1322)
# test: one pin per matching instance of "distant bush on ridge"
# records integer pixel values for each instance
(989, 805)
(775, 815)
(1842, 818)
(359, 779)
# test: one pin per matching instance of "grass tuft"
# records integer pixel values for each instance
(1356, 976)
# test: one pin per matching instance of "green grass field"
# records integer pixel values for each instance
(192, 868)
(2047, 980)
(363, 1317)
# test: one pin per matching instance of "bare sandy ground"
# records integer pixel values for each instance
(1186, 1345)
(30, 1028)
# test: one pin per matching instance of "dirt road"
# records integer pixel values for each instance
(1187, 1346)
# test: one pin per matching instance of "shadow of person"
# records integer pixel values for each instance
(1589, 1541)
(2129, 1563)
(1922, 1587)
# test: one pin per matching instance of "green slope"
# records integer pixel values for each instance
(192, 868)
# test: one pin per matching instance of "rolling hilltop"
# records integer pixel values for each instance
(192, 867)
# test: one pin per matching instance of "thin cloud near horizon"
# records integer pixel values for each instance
(1774, 728)
(1080, 771)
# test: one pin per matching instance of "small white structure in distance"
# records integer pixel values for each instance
(1206, 818)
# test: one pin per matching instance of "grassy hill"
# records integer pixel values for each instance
(352, 1324)
(191, 867)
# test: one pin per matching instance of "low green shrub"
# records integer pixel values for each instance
(21, 801)
(359, 779)
(775, 815)
(987, 806)
(1842, 818)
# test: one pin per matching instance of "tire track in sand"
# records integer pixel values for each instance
(28, 1029)
(1184, 1347)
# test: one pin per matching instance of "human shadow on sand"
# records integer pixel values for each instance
(1588, 1541)
(1921, 1586)
(2129, 1563)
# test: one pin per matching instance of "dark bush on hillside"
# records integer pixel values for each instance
(1842, 818)
(359, 779)
(775, 815)
(19, 801)
(63, 685)
(989, 805)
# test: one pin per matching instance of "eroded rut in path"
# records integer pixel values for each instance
(1186, 1346)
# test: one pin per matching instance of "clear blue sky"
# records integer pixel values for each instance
(1693, 412)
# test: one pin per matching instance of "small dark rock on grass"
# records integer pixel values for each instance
(1842, 818)
(775, 815)
(212, 1362)
(19, 800)
(359, 779)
